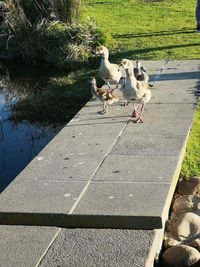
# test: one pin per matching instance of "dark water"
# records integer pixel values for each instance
(19, 142)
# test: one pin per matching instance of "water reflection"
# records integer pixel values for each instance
(19, 142)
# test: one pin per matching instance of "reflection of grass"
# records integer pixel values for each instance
(150, 30)
(191, 163)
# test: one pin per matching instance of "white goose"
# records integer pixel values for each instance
(136, 91)
(108, 72)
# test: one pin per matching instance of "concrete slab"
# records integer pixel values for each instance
(182, 66)
(24, 246)
(175, 110)
(71, 146)
(99, 247)
(159, 126)
(168, 92)
(36, 197)
(101, 129)
(61, 168)
(149, 145)
(124, 205)
(120, 168)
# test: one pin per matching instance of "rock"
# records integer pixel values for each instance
(186, 203)
(189, 187)
(170, 242)
(186, 225)
(180, 256)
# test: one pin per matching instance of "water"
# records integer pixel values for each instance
(19, 142)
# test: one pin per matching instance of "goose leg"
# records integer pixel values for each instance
(105, 108)
(140, 119)
(135, 113)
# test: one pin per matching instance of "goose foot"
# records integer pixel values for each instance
(140, 120)
(135, 114)
(102, 112)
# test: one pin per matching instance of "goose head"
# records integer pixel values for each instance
(92, 81)
(126, 64)
(102, 51)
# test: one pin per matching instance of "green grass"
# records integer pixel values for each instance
(148, 30)
(191, 162)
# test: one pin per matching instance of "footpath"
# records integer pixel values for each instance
(99, 193)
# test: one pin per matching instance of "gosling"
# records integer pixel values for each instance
(103, 95)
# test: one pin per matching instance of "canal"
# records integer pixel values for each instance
(20, 142)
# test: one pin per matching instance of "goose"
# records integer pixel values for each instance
(108, 72)
(103, 95)
(136, 91)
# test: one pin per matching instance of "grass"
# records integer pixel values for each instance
(56, 103)
(191, 162)
(155, 30)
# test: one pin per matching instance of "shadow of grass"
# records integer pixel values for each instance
(119, 55)
(147, 34)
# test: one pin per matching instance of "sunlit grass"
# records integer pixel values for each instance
(191, 162)
(155, 30)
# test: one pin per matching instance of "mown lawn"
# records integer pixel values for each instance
(148, 30)
(159, 30)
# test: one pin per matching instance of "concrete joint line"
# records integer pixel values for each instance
(160, 72)
(89, 181)
(47, 249)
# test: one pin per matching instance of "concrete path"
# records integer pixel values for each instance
(107, 172)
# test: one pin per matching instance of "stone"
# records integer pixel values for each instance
(184, 226)
(186, 203)
(196, 244)
(189, 187)
(180, 256)
(170, 242)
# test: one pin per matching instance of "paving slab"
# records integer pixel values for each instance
(162, 110)
(39, 197)
(169, 126)
(123, 168)
(99, 247)
(23, 246)
(70, 146)
(61, 168)
(149, 145)
(124, 204)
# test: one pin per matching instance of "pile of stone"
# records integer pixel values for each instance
(182, 239)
